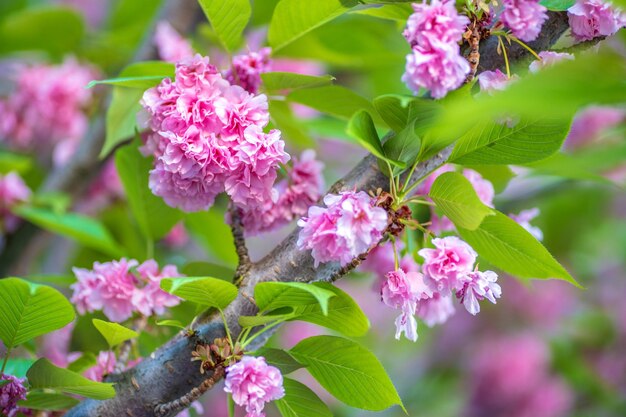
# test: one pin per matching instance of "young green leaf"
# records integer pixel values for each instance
(47, 401)
(155, 218)
(280, 359)
(361, 127)
(228, 19)
(29, 310)
(84, 230)
(294, 18)
(114, 333)
(507, 245)
(171, 323)
(494, 143)
(44, 374)
(206, 291)
(457, 199)
(557, 5)
(300, 401)
(344, 314)
(80, 365)
(201, 268)
(252, 321)
(273, 295)
(275, 82)
(348, 371)
(393, 109)
(403, 147)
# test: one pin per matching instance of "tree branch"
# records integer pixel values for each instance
(169, 374)
(236, 226)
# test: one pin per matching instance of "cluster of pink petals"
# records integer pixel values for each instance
(435, 310)
(548, 58)
(105, 364)
(524, 218)
(12, 390)
(13, 191)
(449, 269)
(590, 19)
(591, 122)
(46, 108)
(119, 289)
(171, 46)
(253, 383)
(402, 291)
(381, 260)
(347, 227)
(247, 68)
(435, 61)
(296, 193)
(208, 138)
(524, 17)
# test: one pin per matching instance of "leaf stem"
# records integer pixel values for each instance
(528, 48)
(506, 57)
(260, 332)
(230, 339)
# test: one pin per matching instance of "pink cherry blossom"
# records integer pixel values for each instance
(445, 266)
(151, 299)
(491, 81)
(477, 286)
(484, 188)
(247, 68)
(548, 58)
(105, 364)
(380, 260)
(524, 17)
(348, 226)
(435, 310)
(401, 291)
(253, 383)
(591, 122)
(13, 191)
(524, 217)
(438, 21)
(170, 45)
(590, 19)
(11, 392)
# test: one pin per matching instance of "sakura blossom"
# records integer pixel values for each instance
(401, 291)
(253, 383)
(477, 286)
(548, 58)
(524, 17)
(105, 364)
(172, 47)
(437, 22)
(590, 19)
(247, 68)
(347, 227)
(590, 123)
(435, 310)
(13, 191)
(491, 81)
(12, 390)
(445, 266)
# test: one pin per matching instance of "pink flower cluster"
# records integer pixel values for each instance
(347, 227)
(119, 291)
(247, 68)
(590, 19)
(435, 61)
(402, 291)
(548, 58)
(46, 108)
(170, 45)
(13, 191)
(253, 383)
(524, 17)
(301, 189)
(208, 138)
(12, 390)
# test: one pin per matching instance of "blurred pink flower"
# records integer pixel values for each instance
(171, 46)
(524, 17)
(253, 383)
(524, 218)
(548, 58)
(491, 81)
(13, 191)
(247, 68)
(435, 310)
(591, 122)
(427, 183)
(484, 188)
(177, 237)
(151, 299)
(105, 364)
(55, 346)
(590, 19)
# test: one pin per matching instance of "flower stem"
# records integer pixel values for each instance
(506, 57)
(230, 339)
(528, 48)
(260, 332)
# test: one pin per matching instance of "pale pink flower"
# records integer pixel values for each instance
(524, 218)
(55, 346)
(401, 291)
(484, 188)
(170, 44)
(177, 237)
(11, 392)
(13, 191)
(435, 310)
(445, 266)
(253, 383)
(591, 122)
(590, 19)
(548, 58)
(491, 81)
(380, 260)
(247, 68)
(105, 364)
(348, 226)
(476, 286)
(151, 299)
(440, 224)
(436, 22)
(524, 17)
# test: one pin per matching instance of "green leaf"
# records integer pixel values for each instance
(394, 110)
(206, 291)
(272, 295)
(38, 29)
(29, 310)
(334, 100)
(291, 128)
(155, 218)
(348, 371)
(300, 401)
(253, 321)
(498, 175)
(213, 233)
(557, 5)
(456, 198)
(208, 269)
(492, 143)
(395, 12)
(84, 230)
(48, 401)
(344, 314)
(228, 19)
(361, 127)
(508, 246)
(114, 333)
(44, 374)
(294, 18)
(404, 147)
(142, 82)
(121, 118)
(280, 359)
(10, 161)
(171, 323)
(275, 82)
(80, 365)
